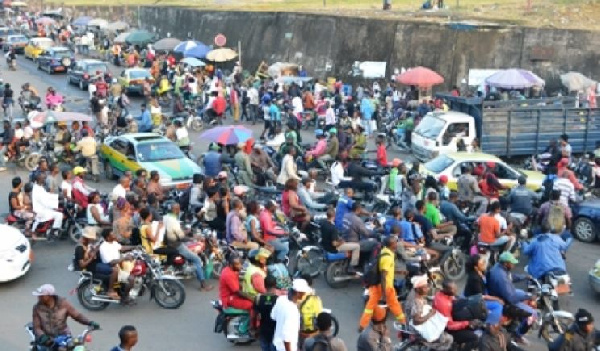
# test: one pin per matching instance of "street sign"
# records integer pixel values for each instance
(220, 40)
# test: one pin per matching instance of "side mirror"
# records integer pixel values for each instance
(131, 158)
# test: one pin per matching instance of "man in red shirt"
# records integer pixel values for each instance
(230, 293)
(272, 233)
(381, 152)
(462, 331)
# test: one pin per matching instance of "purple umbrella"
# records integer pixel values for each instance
(227, 135)
(514, 78)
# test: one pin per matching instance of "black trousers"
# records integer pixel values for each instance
(465, 338)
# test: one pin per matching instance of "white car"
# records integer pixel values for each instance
(15, 254)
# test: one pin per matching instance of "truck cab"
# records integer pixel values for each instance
(440, 133)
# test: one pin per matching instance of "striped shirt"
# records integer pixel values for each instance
(567, 190)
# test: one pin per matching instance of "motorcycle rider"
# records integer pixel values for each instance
(253, 281)
(44, 205)
(273, 234)
(355, 230)
(331, 152)
(521, 198)
(87, 145)
(182, 135)
(212, 161)
(490, 230)
(501, 281)
(144, 120)
(53, 100)
(306, 199)
(111, 260)
(80, 191)
(242, 161)
(50, 316)
(453, 214)
(8, 135)
(581, 335)
(175, 238)
(235, 231)
(544, 213)
(262, 164)
(468, 190)
(433, 214)
(319, 149)
(545, 252)
(11, 58)
(230, 292)
(17, 206)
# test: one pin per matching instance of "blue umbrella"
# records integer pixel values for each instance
(194, 62)
(185, 45)
(82, 21)
(198, 51)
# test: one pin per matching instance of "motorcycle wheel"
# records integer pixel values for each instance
(31, 161)
(197, 124)
(551, 330)
(217, 269)
(84, 295)
(334, 270)
(75, 231)
(169, 293)
(454, 266)
(335, 326)
(310, 263)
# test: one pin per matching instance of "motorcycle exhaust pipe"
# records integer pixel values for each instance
(345, 278)
(103, 299)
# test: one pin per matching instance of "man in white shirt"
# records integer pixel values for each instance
(110, 261)
(286, 315)
(330, 119)
(337, 173)
(120, 190)
(567, 189)
(44, 205)
(254, 99)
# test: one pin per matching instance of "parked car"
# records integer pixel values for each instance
(36, 46)
(130, 152)
(5, 32)
(15, 254)
(56, 59)
(84, 71)
(132, 80)
(451, 165)
(586, 220)
(17, 42)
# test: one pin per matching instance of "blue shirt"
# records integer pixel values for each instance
(366, 108)
(212, 164)
(451, 212)
(274, 113)
(344, 205)
(544, 253)
(144, 121)
(390, 223)
(500, 284)
(410, 232)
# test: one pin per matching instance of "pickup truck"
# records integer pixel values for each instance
(505, 128)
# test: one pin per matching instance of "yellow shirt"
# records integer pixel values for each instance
(87, 146)
(387, 264)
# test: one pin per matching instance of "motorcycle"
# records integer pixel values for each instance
(166, 290)
(62, 342)
(551, 322)
(12, 63)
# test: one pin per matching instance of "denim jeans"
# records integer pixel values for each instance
(266, 345)
(281, 248)
(192, 257)
(525, 325)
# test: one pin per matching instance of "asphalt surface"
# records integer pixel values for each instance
(191, 326)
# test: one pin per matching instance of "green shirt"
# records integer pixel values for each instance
(433, 214)
(393, 174)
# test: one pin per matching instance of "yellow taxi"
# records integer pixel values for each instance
(132, 80)
(451, 165)
(36, 46)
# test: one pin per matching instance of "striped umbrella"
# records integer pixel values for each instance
(227, 135)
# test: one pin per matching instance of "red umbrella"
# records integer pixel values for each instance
(422, 77)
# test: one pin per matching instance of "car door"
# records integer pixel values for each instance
(506, 175)
(43, 59)
(76, 72)
(116, 153)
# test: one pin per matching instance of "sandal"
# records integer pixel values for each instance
(113, 295)
(206, 288)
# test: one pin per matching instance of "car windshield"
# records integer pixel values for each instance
(158, 152)
(139, 74)
(439, 164)
(62, 53)
(44, 44)
(17, 39)
(430, 127)
(97, 67)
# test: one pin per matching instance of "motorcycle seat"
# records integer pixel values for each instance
(11, 218)
(329, 256)
(235, 311)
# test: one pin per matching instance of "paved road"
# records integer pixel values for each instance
(190, 327)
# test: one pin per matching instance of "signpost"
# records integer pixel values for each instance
(220, 40)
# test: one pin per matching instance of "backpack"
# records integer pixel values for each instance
(372, 274)
(282, 277)
(556, 217)
(469, 308)
(548, 186)
(309, 310)
(320, 343)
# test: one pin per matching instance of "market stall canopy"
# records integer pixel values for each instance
(198, 51)
(282, 69)
(121, 37)
(82, 21)
(18, 4)
(514, 78)
(421, 77)
(45, 21)
(98, 22)
(221, 55)
(194, 62)
(166, 44)
(39, 119)
(116, 26)
(139, 37)
(227, 135)
(575, 81)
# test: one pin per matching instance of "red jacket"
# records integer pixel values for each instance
(443, 304)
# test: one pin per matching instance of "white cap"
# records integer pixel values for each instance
(301, 286)
(45, 290)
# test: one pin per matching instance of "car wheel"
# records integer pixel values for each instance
(69, 79)
(584, 230)
(108, 171)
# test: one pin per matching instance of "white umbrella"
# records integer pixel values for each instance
(575, 81)
(116, 26)
(221, 55)
(122, 37)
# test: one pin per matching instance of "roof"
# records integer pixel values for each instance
(450, 114)
(474, 156)
(143, 137)
(59, 48)
(42, 39)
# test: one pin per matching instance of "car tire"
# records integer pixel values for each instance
(108, 171)
(69, 79)
(584, 230)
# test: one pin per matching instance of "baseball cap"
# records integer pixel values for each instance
(78, 170)
(583, 316)
(419, 281)
(45, 290)
(301, 286)
(506, 256)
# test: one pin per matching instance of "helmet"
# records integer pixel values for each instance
(78, 170)
(333, 131)
(444, 179)
(319, 132)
